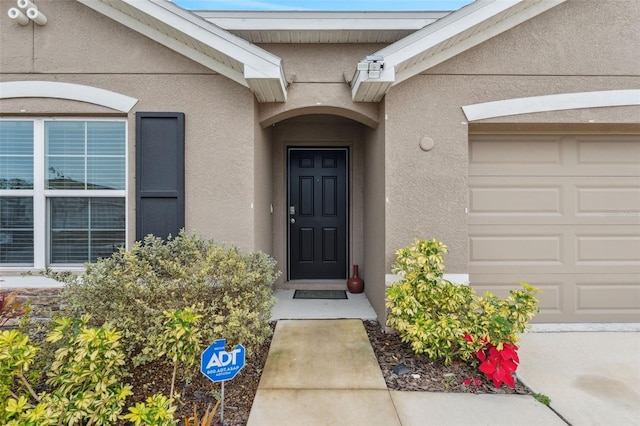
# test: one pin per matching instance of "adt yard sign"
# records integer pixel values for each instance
(218, 364)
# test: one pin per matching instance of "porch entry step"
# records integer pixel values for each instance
(320, 294)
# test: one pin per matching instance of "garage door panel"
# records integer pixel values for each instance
(504, 200)
(622, 151)
(561, 212)
(618, 200)
(572, 155)
(516, 248)
(550, 299)
(554, 248)
(621, 250)
(607, 296)
(546, 200)
(573, 298)
(519, 248)
(514, 155)
(514, 150)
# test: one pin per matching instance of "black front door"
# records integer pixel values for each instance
(317, 213)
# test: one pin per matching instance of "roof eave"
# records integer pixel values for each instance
(365, 89)
(222, 52)
(267, 87)
(447, 37)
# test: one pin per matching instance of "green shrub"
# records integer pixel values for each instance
(180, 341)
(17, 354)
(87, 372)
(84, 380)
(156, 411)
(231, 290)
(434, 315)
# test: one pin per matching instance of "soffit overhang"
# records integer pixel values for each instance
(223, 41)
(306, 27)
(202, 42)
(442, 40)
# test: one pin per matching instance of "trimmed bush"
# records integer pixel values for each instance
(84, 380)
(230, 290)
(449, 321)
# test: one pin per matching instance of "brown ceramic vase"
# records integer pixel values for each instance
(355, 284)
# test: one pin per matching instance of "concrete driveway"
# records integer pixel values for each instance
(592, 378)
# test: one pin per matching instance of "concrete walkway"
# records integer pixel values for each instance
(324, 372)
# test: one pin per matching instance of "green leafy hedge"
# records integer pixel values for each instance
(230, 290)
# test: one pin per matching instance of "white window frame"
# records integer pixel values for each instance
(40, 195)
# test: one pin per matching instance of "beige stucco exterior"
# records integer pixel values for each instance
(236, 146)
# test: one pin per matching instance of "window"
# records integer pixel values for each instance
(16, 230)
(62, 191)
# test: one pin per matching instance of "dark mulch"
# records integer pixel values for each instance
(424, 375)
(238, 393)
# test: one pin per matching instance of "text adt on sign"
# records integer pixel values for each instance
(218, 364)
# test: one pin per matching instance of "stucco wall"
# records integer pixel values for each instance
(81, 46)
(263, 188)
(374, 214)
(77, 39)
(320, 63)
(575, 38)
(318, 76)
(579, 46)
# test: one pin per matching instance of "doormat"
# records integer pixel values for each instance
(320, 294)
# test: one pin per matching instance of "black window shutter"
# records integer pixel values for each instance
(159, 174)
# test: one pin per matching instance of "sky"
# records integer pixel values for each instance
(324, 5)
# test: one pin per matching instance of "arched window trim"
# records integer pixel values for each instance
(70, 91)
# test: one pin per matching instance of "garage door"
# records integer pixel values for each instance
(561, 212)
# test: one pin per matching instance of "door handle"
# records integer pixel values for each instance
(292, 220)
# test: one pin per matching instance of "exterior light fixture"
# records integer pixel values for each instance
(17, 15)
(25, 12)
(373, 65)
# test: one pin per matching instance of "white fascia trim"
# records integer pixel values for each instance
(319, 21)
(365, 89)
(70, 91)
(210, 34)
(526, 9)
(445, 28)
(265, 87)
(321, 27)
(560, 102)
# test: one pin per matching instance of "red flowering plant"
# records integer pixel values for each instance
(498, 323)
(474, 382)
(498, 365)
